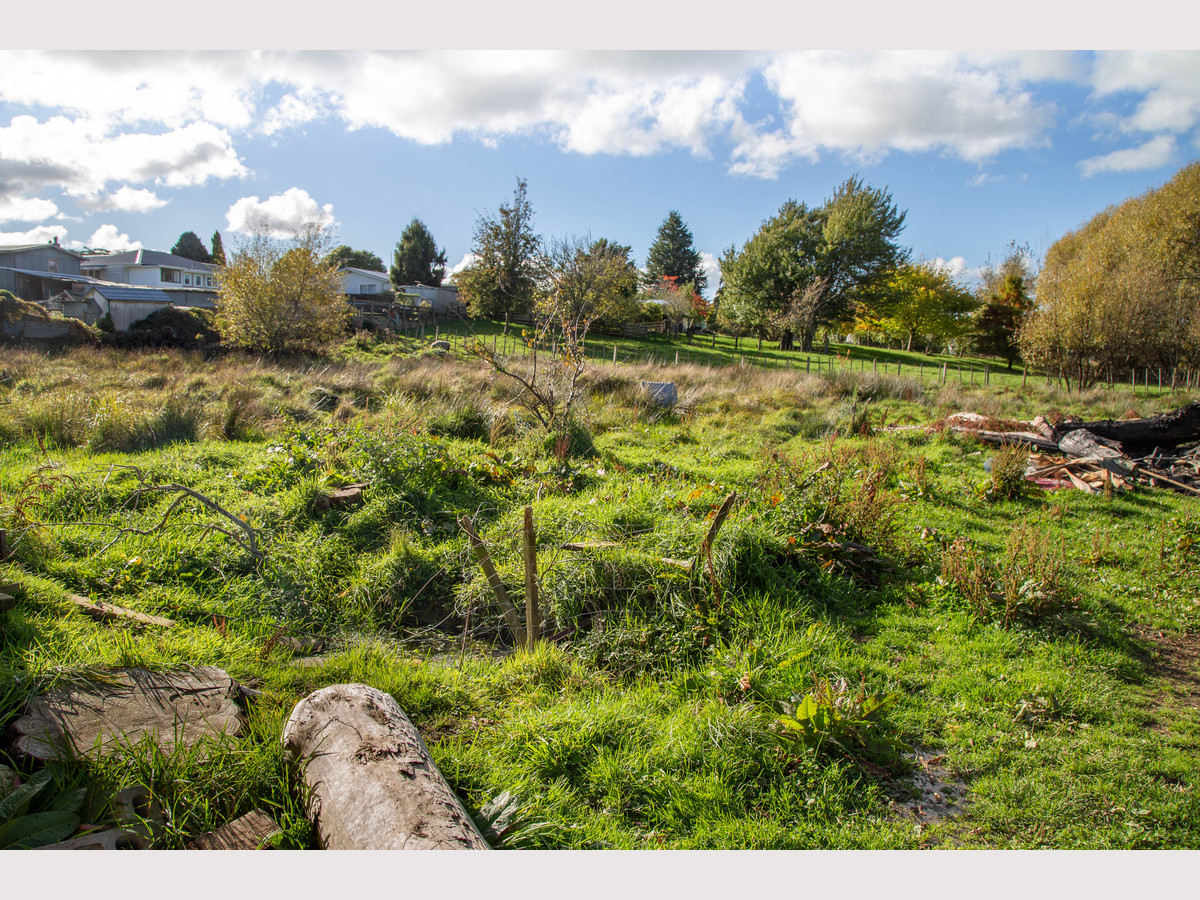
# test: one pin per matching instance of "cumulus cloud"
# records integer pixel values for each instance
(26, 209)
(80, 159)
(1153, 154)
(125, 199)
(1169, 83)
(954, 267)
(468, 259)
(712, 270)
(868, 104)
(42, 234)
(282, 215)
(107, 237)
(171, 119)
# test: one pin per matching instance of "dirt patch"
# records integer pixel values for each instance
(934, 794)
(1176, 659)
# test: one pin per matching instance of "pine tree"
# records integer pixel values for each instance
(218, 249)
(417, 259)
(673, 256)
(189, 246)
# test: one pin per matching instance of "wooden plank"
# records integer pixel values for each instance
(250, 832)
(103, 610)
(589, 545)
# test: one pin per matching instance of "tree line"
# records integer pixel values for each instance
(1119, 292)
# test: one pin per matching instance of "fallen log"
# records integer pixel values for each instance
(1169, 429)
(372, 782)
(1081, 442)
(1008, 437)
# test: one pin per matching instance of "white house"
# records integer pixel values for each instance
(185, 281)
(358, 283)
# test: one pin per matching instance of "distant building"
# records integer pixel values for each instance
(365, 284)
(185, 281)
(37, 272)
(442, 299)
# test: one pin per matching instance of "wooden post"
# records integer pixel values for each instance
(944, 373)
(897, 368)
(437, 330)
(987, 374)
(807, 365)
(1024, 375)
(1147, 381)
(874, 365)
(1160, 378)
(532, 616)
(676, 357)
(493, 577)
(614, 354)
(3, 544)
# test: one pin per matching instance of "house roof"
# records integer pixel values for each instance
(130, 292)
(349, 269)
(14, 248)
(146, 258)
(58, 276)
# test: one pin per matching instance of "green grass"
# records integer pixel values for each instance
(653, 720)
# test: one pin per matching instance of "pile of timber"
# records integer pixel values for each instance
(1161, 451)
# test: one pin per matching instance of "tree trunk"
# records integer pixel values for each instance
(1169, 429)
(373, 784)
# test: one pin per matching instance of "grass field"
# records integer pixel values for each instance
(876, 598)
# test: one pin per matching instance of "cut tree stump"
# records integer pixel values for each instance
(7, 602)
(350, 495)
(249, 832)
(170, 707)
(373, 783)
(101, 609)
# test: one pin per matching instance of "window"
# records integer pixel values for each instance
(52, 264)
(171, 276)
(367, 288)
(208, 278)
(187, 279)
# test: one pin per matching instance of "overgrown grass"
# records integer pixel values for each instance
(863, 588)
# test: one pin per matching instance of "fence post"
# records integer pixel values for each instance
(944, 373)
(987, 374)
(532, 616)
(807, 365)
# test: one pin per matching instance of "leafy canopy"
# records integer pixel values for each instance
(510, 261)
(812, 267)
(281, 296)
(345, 256)
(417, 259)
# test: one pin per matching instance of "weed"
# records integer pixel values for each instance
(1006, 477)
(835, 714)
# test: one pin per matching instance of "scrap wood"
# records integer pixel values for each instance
(103, 610)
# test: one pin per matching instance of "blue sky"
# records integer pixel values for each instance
(980, 148)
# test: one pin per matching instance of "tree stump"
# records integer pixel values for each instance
(170, 707)
(373, 783)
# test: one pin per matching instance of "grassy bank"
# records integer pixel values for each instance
(868, 599)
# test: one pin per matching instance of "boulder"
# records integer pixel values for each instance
(372, 782)
(661, 393)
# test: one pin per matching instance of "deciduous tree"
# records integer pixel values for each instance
(1006, 300)
(278, 296)
(847, 246)
(417, 259)
(923, 300)
(344, 255)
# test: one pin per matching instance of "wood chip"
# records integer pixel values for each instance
(103, 610)
(250, 832)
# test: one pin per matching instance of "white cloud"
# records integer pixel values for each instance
(468, 259)
(983, 178)
(282, 215)
(171, 118)
(80, 158)
(26, 209)
(42, 234)
(712, 270)
(1168, 81)
(954, 267)
(1153, 154)
(108, 237)
(125, 199)
(868, 104)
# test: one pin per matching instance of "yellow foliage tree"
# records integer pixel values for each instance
(278, 296)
